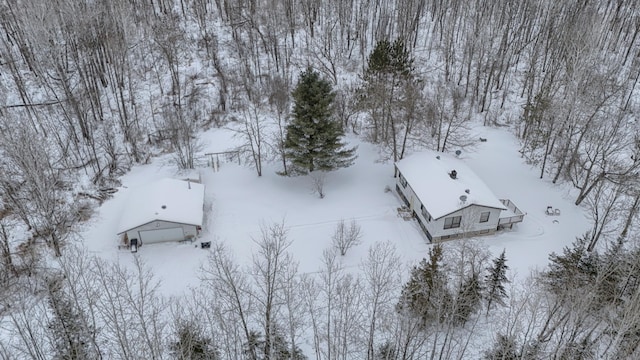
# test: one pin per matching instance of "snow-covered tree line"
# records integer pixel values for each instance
(86, 308)
(456, 303)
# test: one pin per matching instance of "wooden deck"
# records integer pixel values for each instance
(511, 216)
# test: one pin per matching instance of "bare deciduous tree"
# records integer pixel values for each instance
(253, 133)
(7, 251)
(182, 129)
(346, 236)
(381, 273)
(232, 288)
(271, 262)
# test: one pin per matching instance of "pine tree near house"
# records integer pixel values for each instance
(495, 280)
(426, 295)
(391, 97)
(314, 138)
(192, 344)
(469, 299)
(72, 338)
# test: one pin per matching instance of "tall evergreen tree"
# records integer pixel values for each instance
(192, 344)
(469, 299)
(495, 280)
(72, 338)
(313, 141)
(425, 295)
(575, 268)
(391, 96)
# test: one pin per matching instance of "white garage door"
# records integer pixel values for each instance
(161, 235)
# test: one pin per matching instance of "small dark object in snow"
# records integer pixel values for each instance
(205, 245)
(551, 211)
(483, 139)
(133, 245)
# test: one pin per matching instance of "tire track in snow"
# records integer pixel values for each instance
(327, 222)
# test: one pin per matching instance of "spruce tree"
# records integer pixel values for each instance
(576, 268)
(72, 339)
(505, 348)
(314, 138)
(192, 344)
(495, 280)
(468, 300)
(425, 295)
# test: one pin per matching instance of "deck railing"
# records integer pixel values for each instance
(510, 220)
(518, 217)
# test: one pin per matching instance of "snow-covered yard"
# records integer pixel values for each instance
(239, 202)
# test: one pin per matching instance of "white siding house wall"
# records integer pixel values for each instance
(189, 230)
(470, 222)
(408, 193)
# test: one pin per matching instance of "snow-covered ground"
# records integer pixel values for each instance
(240, 202)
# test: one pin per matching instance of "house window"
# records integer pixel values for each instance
(403, 181)
(452, 222)
(425, 213)
(484, 216)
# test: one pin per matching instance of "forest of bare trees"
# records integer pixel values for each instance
(89, 89)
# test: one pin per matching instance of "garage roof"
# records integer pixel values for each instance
(429, 175)
(166, 200)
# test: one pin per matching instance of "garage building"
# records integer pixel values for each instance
(166, 210)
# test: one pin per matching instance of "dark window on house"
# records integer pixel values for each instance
(452, 222)
(425, 213)
(403, 181)
(484, 217)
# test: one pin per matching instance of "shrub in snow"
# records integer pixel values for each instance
(345, 237)
(318, 184)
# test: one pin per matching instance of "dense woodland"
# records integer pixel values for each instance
(90, 88)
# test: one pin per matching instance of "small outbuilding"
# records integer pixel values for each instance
(165, 210)
(449, 200)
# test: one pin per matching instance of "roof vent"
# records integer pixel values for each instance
(438, 157)
(463, 198)
(467, 191)
(453, 174)
(163, 206)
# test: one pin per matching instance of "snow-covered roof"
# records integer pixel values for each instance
(166, 200)
(429, 177)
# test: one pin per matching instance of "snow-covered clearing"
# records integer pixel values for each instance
(240, 202)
